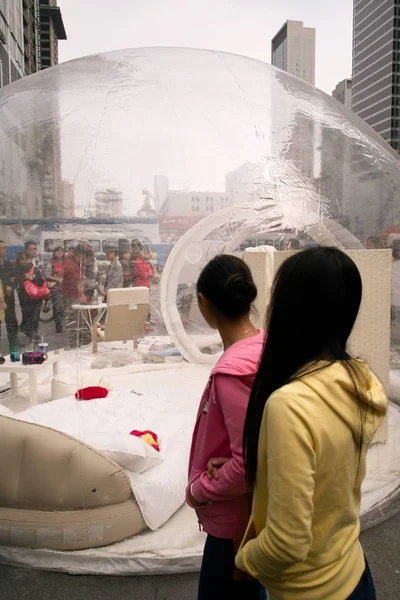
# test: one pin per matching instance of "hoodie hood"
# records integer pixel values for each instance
(242, 358)
(346, 389)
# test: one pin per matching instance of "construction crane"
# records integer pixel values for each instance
(147, 209)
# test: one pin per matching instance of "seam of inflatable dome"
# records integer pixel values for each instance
(176, 260)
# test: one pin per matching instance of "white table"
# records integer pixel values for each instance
(86, 311)
(15, 368)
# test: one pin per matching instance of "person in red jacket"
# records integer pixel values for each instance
(142, 271)
(73, 292)
(225, 292)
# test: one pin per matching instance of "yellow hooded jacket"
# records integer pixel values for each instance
(311, 464)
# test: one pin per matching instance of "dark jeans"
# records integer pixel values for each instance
(11, 323)
(10, 319)
(30, 318)
(11, 326)
(365, 589)
(217, 574)
(57, 302)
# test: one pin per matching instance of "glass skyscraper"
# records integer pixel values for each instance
(376, 66)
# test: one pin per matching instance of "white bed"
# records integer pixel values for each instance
(175, 544)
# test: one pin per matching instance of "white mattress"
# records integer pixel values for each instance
(169, 408)
(164, 407)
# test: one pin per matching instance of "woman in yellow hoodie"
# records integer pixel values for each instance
(313, 412)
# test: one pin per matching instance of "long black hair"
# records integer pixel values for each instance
(228, 283)
(314, 304)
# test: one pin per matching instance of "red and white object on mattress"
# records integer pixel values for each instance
(149, 437)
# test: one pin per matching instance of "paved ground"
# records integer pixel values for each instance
(381, 544)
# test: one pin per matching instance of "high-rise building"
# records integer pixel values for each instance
(161, 188)
(43, 27)
(11, 41)
(29, 34)
(69, 198)
(293, 50)
(31, 23)
(343, 92)
(109, 203)
(376, 66)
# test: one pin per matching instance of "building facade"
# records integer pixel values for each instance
(193, 203)
(161, 189)
(43, 28)
(183, 209)
(343, 92)
(293, 50)
(31, 23)
(29, 35)
(109, 203)
(376, 66)
(32, 185)
(11, 41)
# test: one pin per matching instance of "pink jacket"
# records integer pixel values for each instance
(219, 433)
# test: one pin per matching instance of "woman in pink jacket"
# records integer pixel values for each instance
(225, 291)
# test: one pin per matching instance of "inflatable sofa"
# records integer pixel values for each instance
(78, 499)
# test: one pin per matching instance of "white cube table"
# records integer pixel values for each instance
(15, 368)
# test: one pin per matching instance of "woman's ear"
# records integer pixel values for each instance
(201, 300)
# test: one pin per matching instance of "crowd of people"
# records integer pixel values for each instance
(68, 279)
(13, 277)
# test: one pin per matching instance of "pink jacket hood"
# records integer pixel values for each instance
(242, 358)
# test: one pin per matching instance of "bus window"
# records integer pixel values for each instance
(124, 245)
(50, 245)
(68, 244)
(96, 247)
(110, 243)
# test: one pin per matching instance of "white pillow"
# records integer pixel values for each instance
(128, 451)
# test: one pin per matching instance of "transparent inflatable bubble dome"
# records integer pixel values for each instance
(170, 156)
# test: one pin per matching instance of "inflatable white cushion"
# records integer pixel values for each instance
(128, 451)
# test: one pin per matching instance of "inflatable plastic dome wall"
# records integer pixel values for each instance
(141, 145)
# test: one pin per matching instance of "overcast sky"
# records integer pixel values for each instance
(240, 26)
